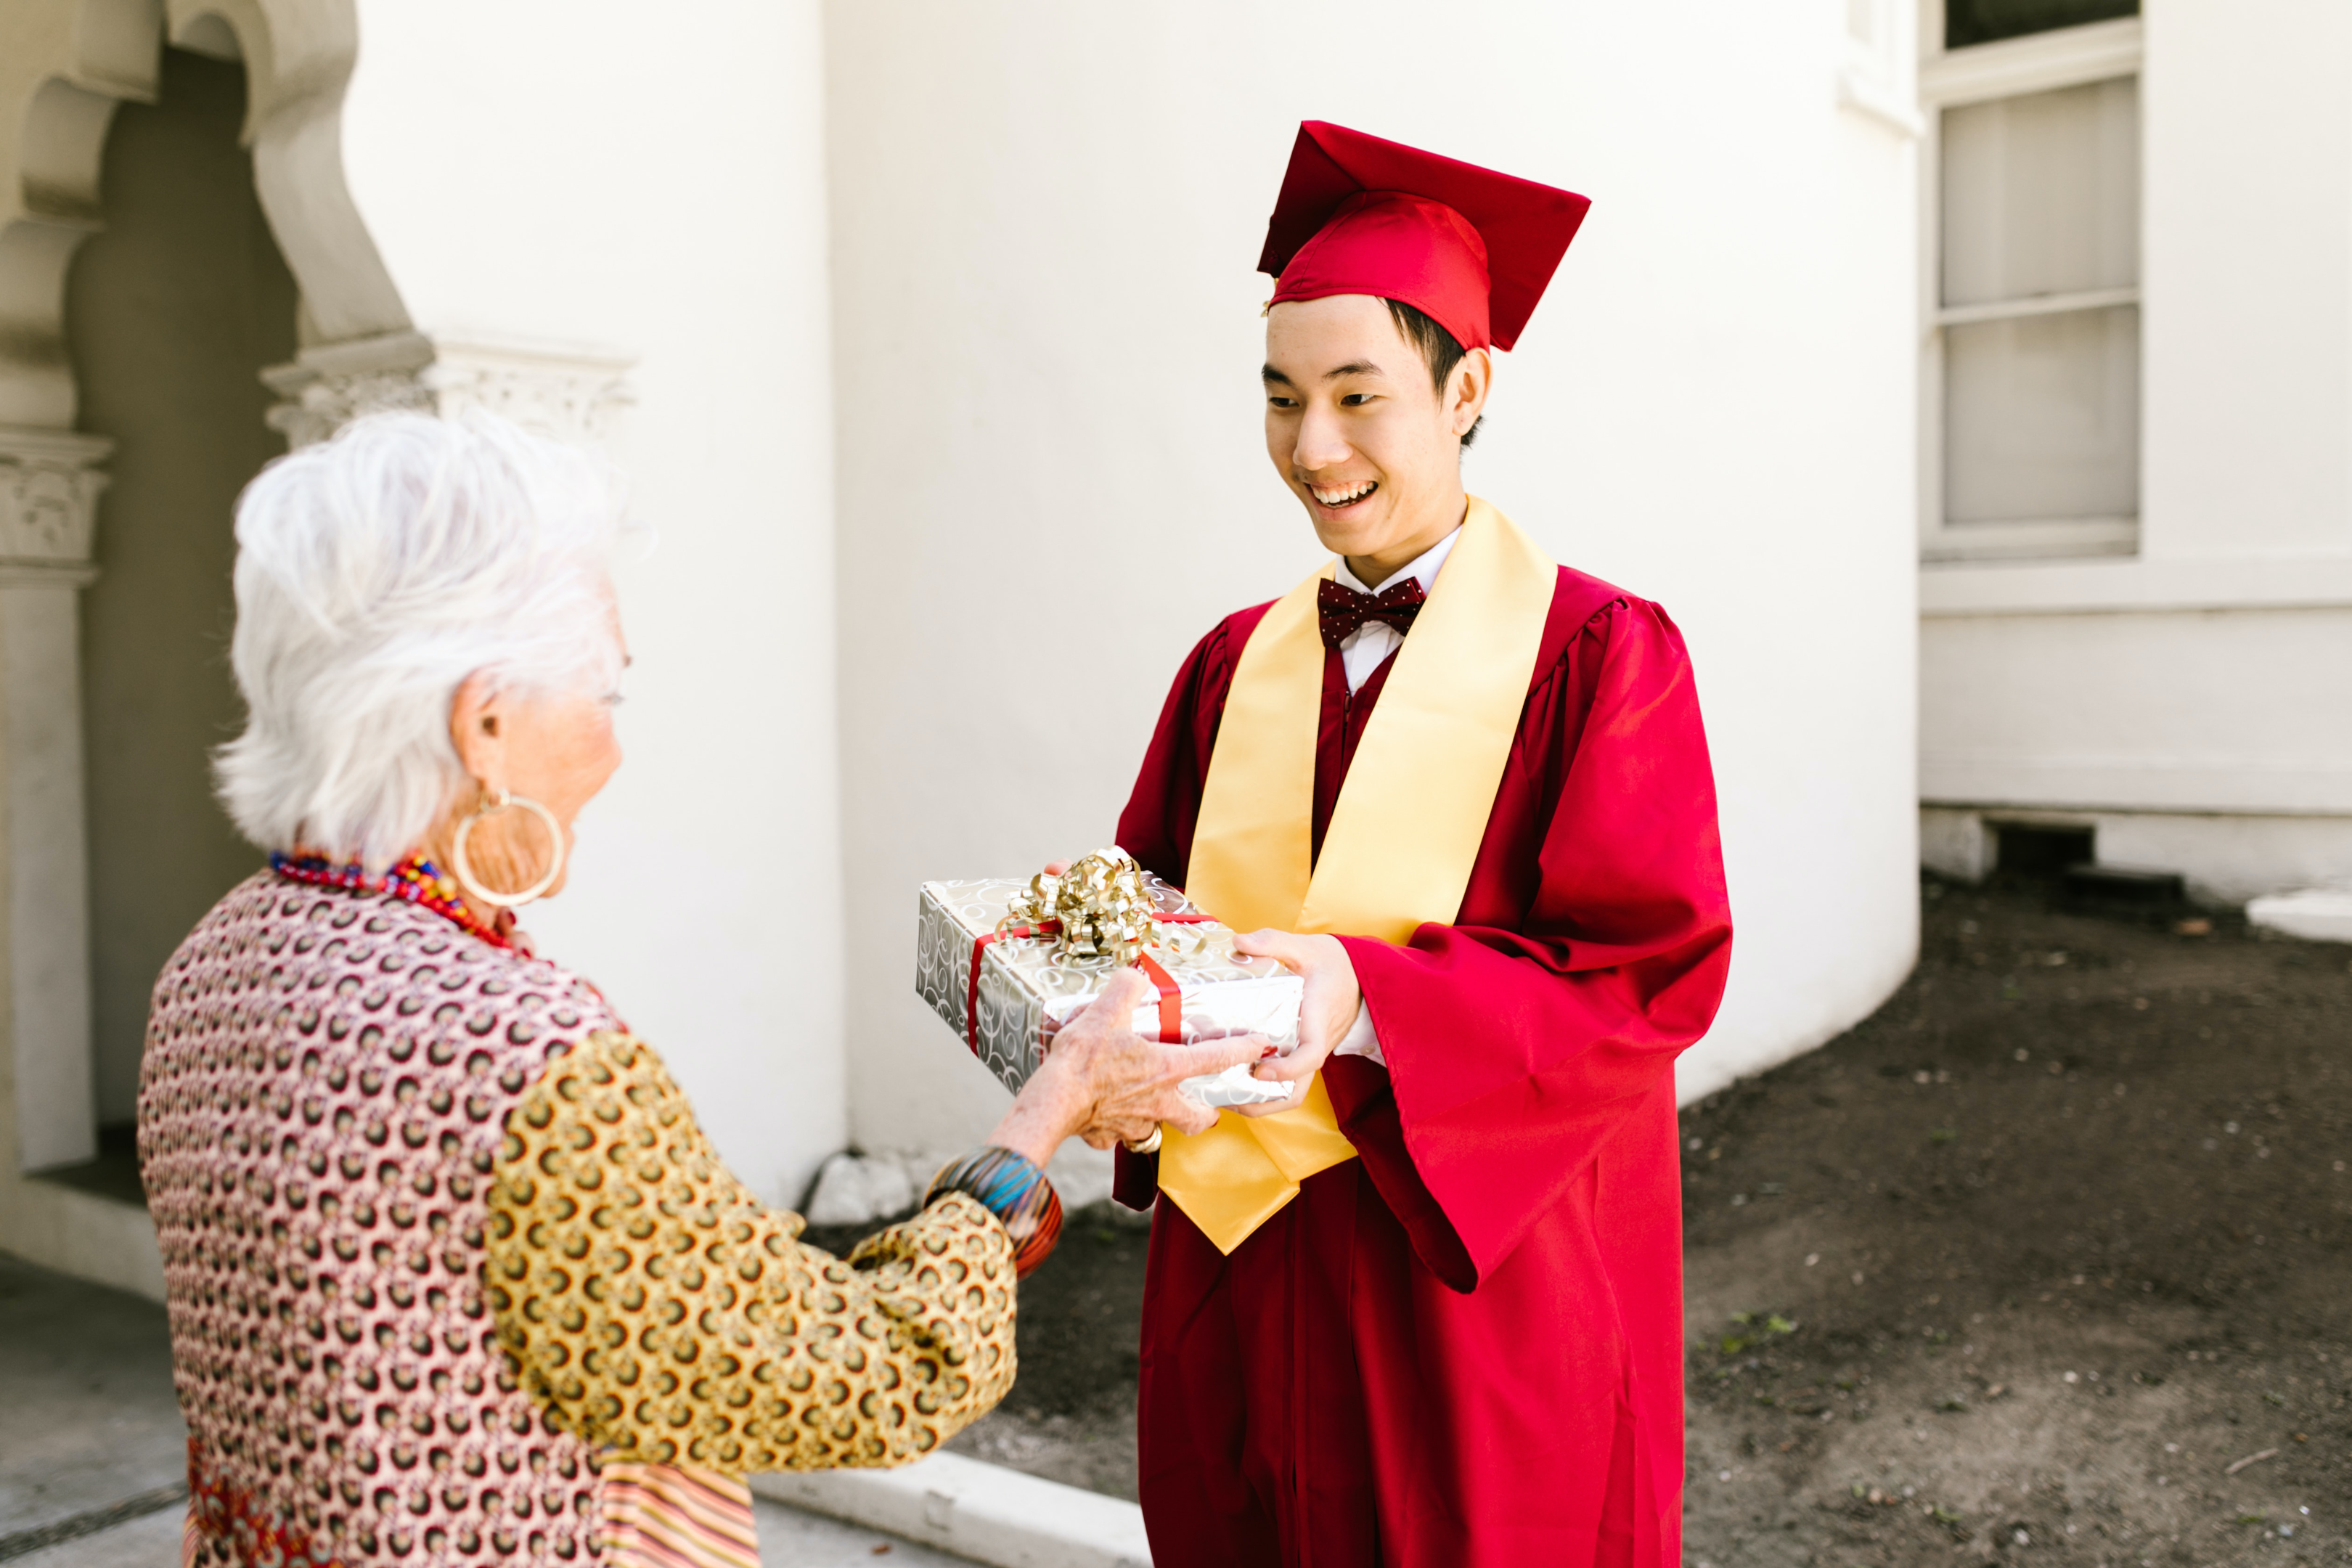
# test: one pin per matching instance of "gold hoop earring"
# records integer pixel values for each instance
(492, 802)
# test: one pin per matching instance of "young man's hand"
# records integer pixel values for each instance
(1326, 1011)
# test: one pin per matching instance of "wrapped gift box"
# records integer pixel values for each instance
(1007, 1007)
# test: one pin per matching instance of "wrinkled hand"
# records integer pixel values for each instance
(1327, 1008)
(1105, 1083)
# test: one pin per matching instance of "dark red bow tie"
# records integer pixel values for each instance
(1343, 610)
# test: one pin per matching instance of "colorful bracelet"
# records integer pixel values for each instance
(1016, 1192)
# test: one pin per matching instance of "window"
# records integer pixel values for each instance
(1967, 22)
(2035, 348)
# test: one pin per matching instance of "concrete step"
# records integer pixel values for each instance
(788, 1539)
(982, 1511)
(151, 1541)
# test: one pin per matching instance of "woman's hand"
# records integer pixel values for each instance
(1327, 1009)
(1104, 1082)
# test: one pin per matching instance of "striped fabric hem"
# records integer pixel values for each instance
(675, 1516)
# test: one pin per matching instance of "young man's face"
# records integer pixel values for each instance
(1369, 447)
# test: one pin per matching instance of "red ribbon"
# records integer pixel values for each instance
(1172, 1000)
(1171, 996)
(971, 992)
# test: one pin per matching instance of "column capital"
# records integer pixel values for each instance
(574, 392)
(49, 484)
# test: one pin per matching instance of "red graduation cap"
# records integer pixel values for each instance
(1468, 248)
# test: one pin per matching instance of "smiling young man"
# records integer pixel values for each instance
(1428, 1311)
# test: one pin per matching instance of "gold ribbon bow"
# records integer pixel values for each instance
(1101, 904)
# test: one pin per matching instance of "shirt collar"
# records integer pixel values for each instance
(1422, 568)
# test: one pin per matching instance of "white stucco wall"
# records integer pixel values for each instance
(1052, 476)
(586, 172)
(2193, 703)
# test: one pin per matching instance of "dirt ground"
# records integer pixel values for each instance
(2049, 1261)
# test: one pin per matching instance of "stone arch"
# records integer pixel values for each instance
(71, 62)
(65, 66)
(297, 57)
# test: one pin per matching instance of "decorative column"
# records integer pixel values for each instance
(49, 484)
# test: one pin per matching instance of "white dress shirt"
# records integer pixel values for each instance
(1361, 652)
(1363, 649)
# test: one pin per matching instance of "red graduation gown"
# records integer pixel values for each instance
(1464, 1347)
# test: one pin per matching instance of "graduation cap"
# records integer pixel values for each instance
(1471, 249)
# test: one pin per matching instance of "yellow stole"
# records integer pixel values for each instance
(1402, 837)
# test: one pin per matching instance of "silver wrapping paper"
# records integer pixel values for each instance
(1029, 987)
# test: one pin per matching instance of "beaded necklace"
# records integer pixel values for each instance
(416, 879)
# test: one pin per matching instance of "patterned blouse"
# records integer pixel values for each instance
(454, 1278)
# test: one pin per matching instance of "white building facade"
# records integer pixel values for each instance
(928, 337)
(2136, 588)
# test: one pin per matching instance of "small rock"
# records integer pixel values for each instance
(2313, 914)
(858, 1189)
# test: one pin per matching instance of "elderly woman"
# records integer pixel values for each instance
(453, 1275)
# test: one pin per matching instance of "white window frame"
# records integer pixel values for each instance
(2010, 67)
(1873, 77)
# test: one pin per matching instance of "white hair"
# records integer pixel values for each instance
(375, 573)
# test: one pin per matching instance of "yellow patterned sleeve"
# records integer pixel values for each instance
(668, 1316)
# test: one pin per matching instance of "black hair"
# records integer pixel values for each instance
(1438, 348)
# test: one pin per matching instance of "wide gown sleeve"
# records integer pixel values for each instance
(668, 1316)
(1513, 1056)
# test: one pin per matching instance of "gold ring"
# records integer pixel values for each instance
(1149, 1145)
